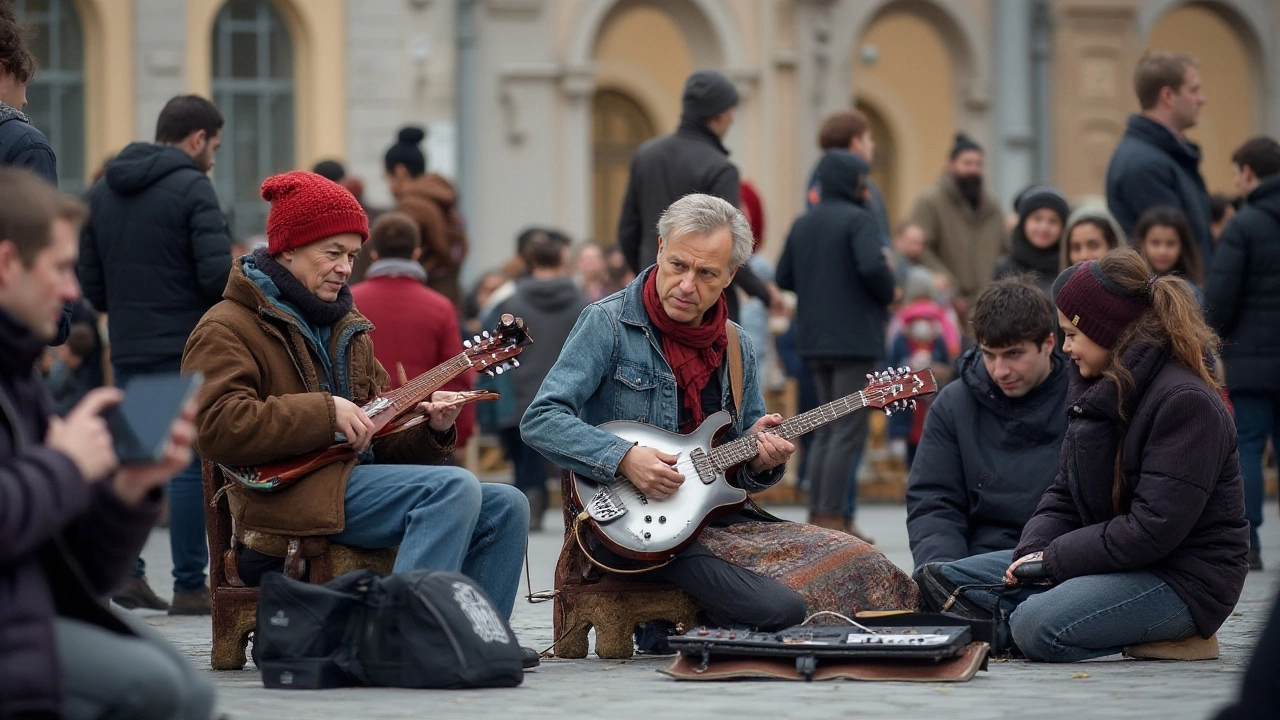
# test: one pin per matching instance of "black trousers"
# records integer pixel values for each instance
(734, 597)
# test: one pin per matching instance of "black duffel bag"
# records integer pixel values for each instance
(420, 629)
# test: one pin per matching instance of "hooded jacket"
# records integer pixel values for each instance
(1152, 168)
(1243, 292)
(23, 145)
(834, 262)
(551, 308)
(1184, 520)
(155, 252)
(51, 521)
(984, 461)
(266, 397)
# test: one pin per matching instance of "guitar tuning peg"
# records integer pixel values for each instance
(906, 368)
(476, 339)
(489, 373)
(871, 377)
(466, 344)
(913, 404)
(485, 333)
(498, 370)
(888, 411)
(515, 363)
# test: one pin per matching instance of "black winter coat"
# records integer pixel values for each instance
(1242, 296)
(834, 262)
(23, 145)
(984, 461)
(155, 254)
(1151, 168)
(51, 520)
(1185, 517)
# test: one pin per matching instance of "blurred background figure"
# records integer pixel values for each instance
(1090, 233)
(1163, 236)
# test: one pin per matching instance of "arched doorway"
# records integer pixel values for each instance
(884, 170)
(1228, 76)
(55, 99)
(618, 126)
(253, 87)
(905, 70)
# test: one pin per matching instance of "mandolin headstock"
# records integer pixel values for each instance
(896, 389)
(494, 353)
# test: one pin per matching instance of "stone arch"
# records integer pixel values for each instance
(963, 35)
(706, 18)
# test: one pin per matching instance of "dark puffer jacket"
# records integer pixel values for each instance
(51, 520)
(1185, 517)
(835, 263)
(1151, 168)
(1243, 292)
(983, 463)
(155, 254)
(23, 145)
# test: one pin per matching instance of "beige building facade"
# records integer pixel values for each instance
(535, 106)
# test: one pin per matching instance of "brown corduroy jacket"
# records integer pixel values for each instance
(264, 400)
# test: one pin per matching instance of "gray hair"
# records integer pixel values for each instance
(704, 214)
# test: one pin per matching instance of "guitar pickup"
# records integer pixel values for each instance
(604, 507)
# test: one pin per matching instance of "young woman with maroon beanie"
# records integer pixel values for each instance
(1142, 537)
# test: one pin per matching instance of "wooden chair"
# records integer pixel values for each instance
(235, 606)
(587, 597)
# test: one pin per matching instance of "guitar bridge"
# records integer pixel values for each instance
(604, 506)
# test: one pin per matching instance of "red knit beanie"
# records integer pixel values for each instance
(1100, 308)
(306, 207)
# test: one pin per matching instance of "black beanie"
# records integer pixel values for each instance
(1042, 196)
(330, 169)
(707, 93)
(407, 153)
(963, 142)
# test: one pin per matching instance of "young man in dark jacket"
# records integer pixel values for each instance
(1243, 305)
(834, 262)
(550, 302)
(71, 520)
(1155, 164)
(693, 159)
(154, 256)
(991, 439)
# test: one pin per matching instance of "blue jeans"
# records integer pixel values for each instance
(188, 543)
(443, 519)
(1257, 420)
(1084, 617)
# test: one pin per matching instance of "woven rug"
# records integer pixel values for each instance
(834, 571)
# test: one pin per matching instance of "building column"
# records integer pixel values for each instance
(579, 88)
(1015, 133)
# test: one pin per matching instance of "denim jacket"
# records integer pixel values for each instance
(612, 368)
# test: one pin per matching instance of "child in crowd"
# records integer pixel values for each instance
(1142, 538)
(918, 343)
(1163, 236)
(1033, 245)
(1090, 234)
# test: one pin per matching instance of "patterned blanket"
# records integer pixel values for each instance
(832, 570)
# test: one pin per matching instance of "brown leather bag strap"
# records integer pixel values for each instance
(735, 364)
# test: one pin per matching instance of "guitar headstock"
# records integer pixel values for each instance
(896, 389)
(494, 353)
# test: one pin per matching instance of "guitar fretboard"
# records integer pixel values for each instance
(417, 389)
(744, 449)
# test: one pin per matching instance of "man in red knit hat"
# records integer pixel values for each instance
(288, 362)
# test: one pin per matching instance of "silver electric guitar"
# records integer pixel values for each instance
(636, 526)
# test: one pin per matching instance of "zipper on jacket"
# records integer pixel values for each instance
(448, 631)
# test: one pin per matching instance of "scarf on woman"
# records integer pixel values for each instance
(693, 351)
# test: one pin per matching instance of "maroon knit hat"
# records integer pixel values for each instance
(1100, 308)
(306, 207)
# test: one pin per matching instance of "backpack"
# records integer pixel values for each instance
(419, 629)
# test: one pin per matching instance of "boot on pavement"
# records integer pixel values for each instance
(135, 593)
(196, 602)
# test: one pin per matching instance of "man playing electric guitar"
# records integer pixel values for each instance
(657, 352)
(288, 363)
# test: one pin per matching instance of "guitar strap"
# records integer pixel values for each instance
(735, 365)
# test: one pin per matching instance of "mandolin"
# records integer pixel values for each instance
(639, 527)
(492, 353)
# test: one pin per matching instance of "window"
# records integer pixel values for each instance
(55, 98)
(253, 87)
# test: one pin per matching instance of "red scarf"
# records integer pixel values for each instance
(693, 351)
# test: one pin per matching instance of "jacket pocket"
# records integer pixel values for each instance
(636, 386)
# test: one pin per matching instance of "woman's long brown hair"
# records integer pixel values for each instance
(1173, 320)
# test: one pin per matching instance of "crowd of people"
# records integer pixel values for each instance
(1100, 365)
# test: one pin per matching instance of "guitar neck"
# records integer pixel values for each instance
(420, 388)
(744, 449)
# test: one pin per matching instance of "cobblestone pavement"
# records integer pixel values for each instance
(593, 688)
